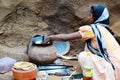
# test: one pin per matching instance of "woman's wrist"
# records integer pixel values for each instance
(51, 38)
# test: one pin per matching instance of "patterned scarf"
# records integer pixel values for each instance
(100, 14)
(101, 17)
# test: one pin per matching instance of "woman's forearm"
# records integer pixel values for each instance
(66, 37)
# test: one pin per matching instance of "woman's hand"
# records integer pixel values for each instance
(48, 40)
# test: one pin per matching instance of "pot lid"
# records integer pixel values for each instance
(62, 47)
(39, 40)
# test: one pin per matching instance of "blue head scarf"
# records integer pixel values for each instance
(100, 14)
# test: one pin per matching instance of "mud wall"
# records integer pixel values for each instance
(46, 17)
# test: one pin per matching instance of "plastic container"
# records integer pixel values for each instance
(88, 67)
(6, 64)
(29, 74)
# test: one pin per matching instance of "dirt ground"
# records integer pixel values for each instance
(47, 17)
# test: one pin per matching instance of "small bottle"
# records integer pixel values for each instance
(88, 67)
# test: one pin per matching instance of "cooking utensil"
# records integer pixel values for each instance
(53, 69)
(53, 66)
